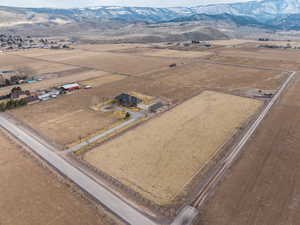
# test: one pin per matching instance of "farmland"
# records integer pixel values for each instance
(30, 194)
(165, 53)
(263, 186)
(272, 58)
(207, 91)
(161, 166)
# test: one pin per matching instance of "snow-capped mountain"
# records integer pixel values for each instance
(262, 10)
(276, 14)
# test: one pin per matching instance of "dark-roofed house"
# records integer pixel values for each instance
(127, 100)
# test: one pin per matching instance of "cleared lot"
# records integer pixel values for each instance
(31, 195)
(263, 187)
(160, 158)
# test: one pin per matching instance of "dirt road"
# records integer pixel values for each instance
(263, 186)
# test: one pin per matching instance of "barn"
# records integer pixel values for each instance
(71, 87)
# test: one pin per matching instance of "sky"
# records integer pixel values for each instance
(87, 3)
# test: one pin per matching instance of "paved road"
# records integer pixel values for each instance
(125, 211)
(228, 161)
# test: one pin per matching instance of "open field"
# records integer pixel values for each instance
(160, 158)
(273, 58)
(225, 78)
(166, 53)
(102, 80)
(109, 47)
(263, 186)
(106, 61)
(64, 120)
(175, 84)
(233, 42)
(31, 195)
(18, 62)
(112, 62)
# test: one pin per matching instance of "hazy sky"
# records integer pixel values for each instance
(85, 3)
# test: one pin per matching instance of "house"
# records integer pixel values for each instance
(127, 100)
(71, 87)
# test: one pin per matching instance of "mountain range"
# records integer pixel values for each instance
(266, 14)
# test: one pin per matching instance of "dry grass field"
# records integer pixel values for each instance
(12, 61)
(166, 53)
(64, 120)
(273, 58)
(263, 187)
(102, 80)
(221, 77)
(31, 195)
(232, 42)
(160, 158)
(72, 113)
(109, 47)
(112, 62)
(235, 42)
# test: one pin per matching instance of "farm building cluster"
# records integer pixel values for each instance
(25, 96)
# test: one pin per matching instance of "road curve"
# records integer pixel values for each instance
(228, 161)
(122, 209)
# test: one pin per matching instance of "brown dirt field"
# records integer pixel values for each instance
(11, 60)
(263, 187)
(15, 62)
(232, 42)
(108, 47)
(225, 78)
(43, 52)
(160, 158)
(112, 62)
(64, 120)
(276, 64)
(166, 53)
(285, 59)
(103, 80)
(175, 84)
(31, 195)
(82, 76)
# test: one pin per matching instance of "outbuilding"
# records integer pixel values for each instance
(71, 87)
